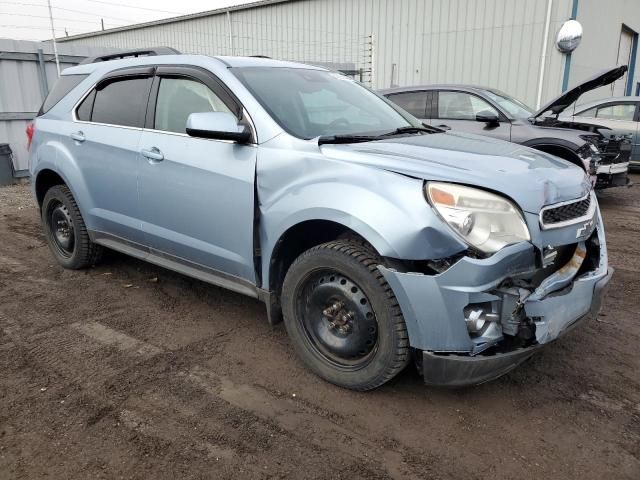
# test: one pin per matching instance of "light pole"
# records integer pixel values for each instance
(53, 38)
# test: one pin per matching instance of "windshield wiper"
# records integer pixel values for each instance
(411, 129)
(347, 139)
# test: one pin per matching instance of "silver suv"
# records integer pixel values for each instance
(377, 239)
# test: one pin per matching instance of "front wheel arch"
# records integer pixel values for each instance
(560, 151)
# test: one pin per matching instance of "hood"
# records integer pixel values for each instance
(531, 178)
(558, 104)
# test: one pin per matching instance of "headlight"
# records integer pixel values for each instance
(484, 220)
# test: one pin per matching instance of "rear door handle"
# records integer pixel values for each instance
(446, 127)
(78, 136)
(153, 153)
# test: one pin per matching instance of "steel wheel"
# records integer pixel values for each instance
(60, 224)
(338, 319)
(66, 231)
(342, 317)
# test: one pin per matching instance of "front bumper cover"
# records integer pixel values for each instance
(433, 308)
(451, 370)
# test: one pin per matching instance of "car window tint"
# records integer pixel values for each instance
(122, 102)
(60, 89)
(413, 102)
(84, 109)
(622, 111)
(588, 113)
(180, 97)
(461, 106)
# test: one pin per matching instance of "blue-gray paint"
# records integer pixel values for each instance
(567, 59)
(197, 206)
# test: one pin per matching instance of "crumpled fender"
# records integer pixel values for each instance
(387, 209)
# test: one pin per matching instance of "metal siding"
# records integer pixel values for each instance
(599, 47)
(20, 89)
(490, 42)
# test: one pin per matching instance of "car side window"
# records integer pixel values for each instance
(121, 102)
(620, 111)
(83, 112)
(588, 113)
(413, 102)
(461, 106)
(180, 97)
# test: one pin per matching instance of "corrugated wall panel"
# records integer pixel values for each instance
(497, 43)
(22, 92)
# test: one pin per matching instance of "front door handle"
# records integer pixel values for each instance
(78, 136)
(153, 153)
(445, 127)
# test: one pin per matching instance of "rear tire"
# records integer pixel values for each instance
(342, 316)
(66, 231)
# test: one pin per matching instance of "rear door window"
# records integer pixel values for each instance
(621, 111)
(60, 89)
(413, 102)
(122, 102)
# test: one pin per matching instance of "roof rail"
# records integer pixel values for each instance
(141, 52)
(259, 56)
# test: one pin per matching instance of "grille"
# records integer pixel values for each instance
(567, 212)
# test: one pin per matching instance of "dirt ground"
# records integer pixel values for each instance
(131, 371)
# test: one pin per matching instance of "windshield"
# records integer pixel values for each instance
(513, 107)
(312, 103)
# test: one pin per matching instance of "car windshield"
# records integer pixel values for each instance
(515, 108)
(313, 103)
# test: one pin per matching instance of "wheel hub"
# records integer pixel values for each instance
(339, 319)
(61, 227)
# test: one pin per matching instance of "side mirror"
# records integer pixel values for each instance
(217, 126)
(488, 116)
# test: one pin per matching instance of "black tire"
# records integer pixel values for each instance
(66, 231)
(367, 349)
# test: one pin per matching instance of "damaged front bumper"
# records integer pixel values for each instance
(518, 319)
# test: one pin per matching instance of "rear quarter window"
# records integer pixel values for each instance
(60, 89)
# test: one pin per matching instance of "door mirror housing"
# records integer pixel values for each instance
(217, 126)
(487, 116)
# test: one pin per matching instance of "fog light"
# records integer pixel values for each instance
(478, 317)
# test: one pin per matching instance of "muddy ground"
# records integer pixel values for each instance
(131, 371)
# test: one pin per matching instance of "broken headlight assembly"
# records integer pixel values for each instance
(484, 220)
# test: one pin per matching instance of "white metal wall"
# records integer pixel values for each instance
(22, 89)
(602, 23)
(496, 43)
(489, 42)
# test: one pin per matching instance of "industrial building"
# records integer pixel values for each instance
(506, 44)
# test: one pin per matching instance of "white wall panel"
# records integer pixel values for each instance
(496, 43)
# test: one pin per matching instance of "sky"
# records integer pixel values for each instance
(29, 19)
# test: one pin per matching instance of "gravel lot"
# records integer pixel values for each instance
(131, 371)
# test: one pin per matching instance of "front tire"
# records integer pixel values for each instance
(66, 231)
(343, 318)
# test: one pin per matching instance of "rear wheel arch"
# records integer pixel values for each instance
(44, 181)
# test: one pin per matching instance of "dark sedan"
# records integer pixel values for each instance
(486, 111)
